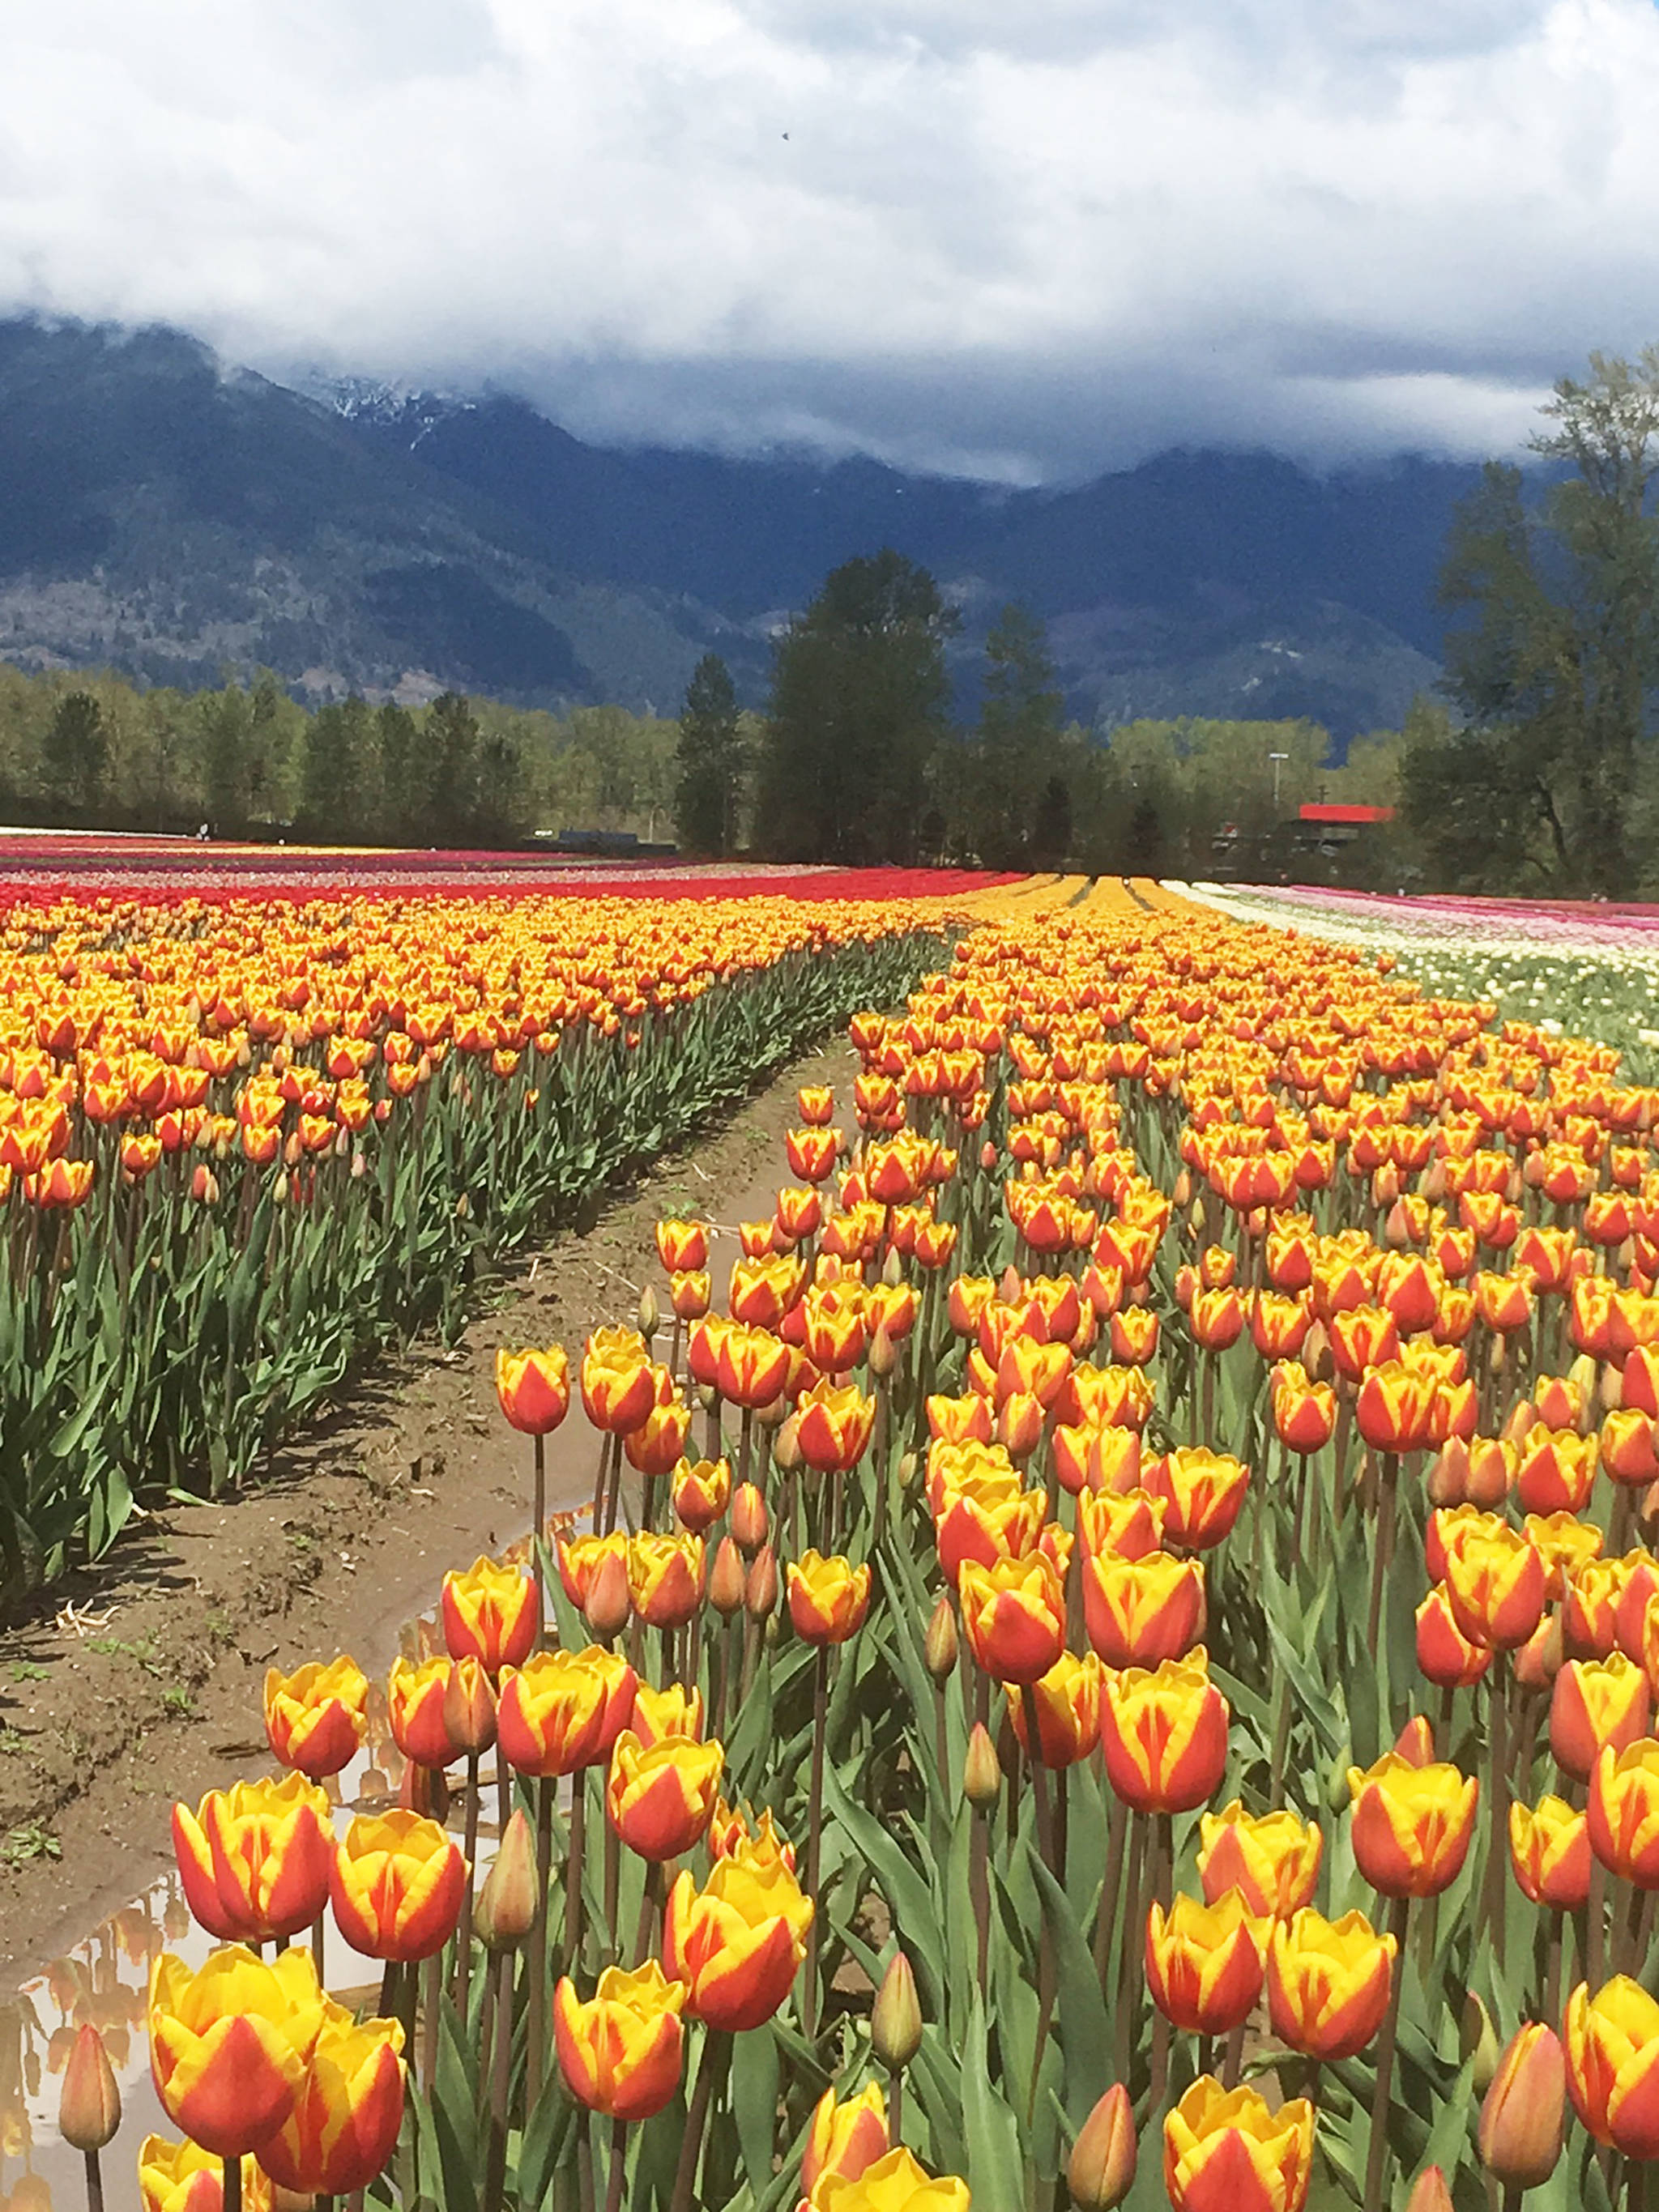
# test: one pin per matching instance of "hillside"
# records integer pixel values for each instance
(173, 517)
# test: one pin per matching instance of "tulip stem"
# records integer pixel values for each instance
(536, 2013)
(1130, 1967)
(1497, 1813)
(501, 2076)
(538, 1532)
(572, 1870)
(318, 1927)
(1106, 1916)
(1232, 2062)
(464, 1925)
(715, 2057)
(814, 1836)
(233, 2186)
(895, 2107)
(1387, 1513)
(95, 2180)
(1377, 2162)
(431, 1999)
(1595, 1916)
(613, 2193)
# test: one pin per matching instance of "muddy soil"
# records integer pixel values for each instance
(142, 1683)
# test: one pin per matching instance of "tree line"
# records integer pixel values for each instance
(91, 750)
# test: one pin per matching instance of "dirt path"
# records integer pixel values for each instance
(146, 1684)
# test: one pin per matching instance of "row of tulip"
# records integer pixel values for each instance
(242, 1142)
(1156, 1637)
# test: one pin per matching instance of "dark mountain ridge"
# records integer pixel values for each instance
(166, 515)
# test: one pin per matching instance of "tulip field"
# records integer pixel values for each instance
(1110, 1659)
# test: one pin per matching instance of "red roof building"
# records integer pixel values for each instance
(1317, 810)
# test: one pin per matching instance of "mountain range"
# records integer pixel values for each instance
(170, 515)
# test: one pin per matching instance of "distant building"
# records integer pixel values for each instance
(1327, 827)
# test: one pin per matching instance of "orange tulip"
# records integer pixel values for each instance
(1413, 1825)
(1328, 1983)
(348, 2113)
(621, 2052)
(1550, 1853)
(1065, 1703)
(1014, 1615)
(828, 1598)
(254, 1861)
(1205, 1963)
(489, 1614)
(534, 1389)
(230, 2044)
(666, 1577)
(1271, 1858)
(1203, 1491)
(1164, 1734)
(397, 1886)
(316, 1718)
(1139, 1612)
(660, 1800)
(834, 1427)
(1624, 1812)
(1595, 1704)
(563, 1711)
(736, 1943)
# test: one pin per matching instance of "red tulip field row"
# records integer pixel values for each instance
(1111, 1661)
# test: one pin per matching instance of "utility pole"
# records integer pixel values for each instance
(1279, 761)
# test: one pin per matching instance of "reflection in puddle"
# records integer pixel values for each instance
(105, 1979)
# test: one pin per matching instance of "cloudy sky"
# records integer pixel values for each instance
(1027, 238)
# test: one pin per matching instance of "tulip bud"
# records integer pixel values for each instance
(1397, 1229)
(1610, 1387)
(706, 1396)
(1524, 2114)
(1316, 1354)
(1181, 1195)
(1538, 1662)
(1478, 2039)
(749, 1521)
(470, 1707)
(424, 1791)
(608, 1605)
(908, 1467)
(987, 1155)
(1101, 2166)
(89, 2105)
(895, 2016)
(1431, 2194)
(506, 1910)
(773, 1414)
(892, 1270)
(940, 1649)
(1448, 1477)
(725, 1579)
(981, 1771)
(1649, 1511)
(760, 1594)
(1415, 1741)
(883, 1354)
(647, 1322)
(785, 1445)
(1583, 1375)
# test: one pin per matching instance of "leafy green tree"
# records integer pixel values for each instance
(1554, 663)
(397, 743)
(75, 758)
(1051, 825)
(860, 705)
(337, 783)
(1020, 728)
(450, 795)
(711, 757)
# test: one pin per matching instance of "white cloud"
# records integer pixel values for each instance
(1031, 239)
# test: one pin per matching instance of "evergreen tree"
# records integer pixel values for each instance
(859, 704)
(337, 781)
(710, 757)
(1020, 728)
(1051, 828)
(1555, 664)
(75, 758)
(396, 743)
(450, 794)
